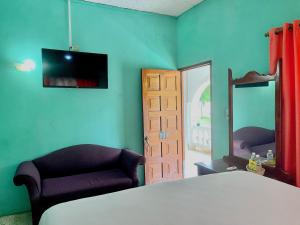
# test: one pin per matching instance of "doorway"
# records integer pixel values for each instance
(196, 103)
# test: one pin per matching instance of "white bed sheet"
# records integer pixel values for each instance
(232, 198)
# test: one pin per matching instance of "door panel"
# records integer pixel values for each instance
(172, 169)
(154, 151)
(154, 124)
(154, 103)
(155, 171)
(170, 103)
(169, 83)
(170, 122)
(153, 82)
(162, 125)
(170, 149)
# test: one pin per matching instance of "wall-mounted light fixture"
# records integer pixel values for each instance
(68, 57)
(26, 66)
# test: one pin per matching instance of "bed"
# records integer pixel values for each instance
(231, 198)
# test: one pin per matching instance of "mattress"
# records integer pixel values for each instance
(232, 198)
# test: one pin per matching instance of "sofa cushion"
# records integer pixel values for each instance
(76, 160)
(61, 189)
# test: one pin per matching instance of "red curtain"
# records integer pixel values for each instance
(285, 46)
(275, 49)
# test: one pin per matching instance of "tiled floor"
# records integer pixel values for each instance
(18, 219)
(191, 157)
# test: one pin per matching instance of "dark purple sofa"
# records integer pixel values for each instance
(76, 172)
(253, 139)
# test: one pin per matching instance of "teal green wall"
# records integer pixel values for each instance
(35, 120)
(231, 34)
(254, 107)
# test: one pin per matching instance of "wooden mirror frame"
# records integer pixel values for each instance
(252, 79)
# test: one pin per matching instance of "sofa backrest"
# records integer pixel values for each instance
(76, 160)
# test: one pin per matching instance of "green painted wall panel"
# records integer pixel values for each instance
(231, 34)
(36, 120)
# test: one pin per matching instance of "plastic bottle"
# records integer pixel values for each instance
(252, 156)
(270, 155)
(257, 160)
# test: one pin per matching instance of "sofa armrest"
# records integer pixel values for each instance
(130, 162)
(28, 174)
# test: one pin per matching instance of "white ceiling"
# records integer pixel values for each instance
(165, 7)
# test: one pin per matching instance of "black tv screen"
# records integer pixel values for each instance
(74, 69)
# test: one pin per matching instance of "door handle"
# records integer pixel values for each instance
(146, 140)
(147, 145)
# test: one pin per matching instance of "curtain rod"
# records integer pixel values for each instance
(279, 30)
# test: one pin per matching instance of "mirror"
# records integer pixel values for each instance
(252, 117)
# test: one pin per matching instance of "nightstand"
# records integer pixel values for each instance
(218, 166)
(221, 165)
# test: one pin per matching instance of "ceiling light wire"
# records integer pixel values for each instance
(70, 25)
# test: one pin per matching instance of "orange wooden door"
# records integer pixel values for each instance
(162, 125)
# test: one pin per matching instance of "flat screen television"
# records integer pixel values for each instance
(67, 69)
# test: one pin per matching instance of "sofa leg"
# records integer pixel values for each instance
(35, 220)
(36, 216)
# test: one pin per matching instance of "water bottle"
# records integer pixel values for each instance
(270, 156)
(257, 160)
(252, 156)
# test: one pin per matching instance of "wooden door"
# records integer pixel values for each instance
(162, 125)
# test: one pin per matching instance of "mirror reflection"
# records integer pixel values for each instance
(254, 122)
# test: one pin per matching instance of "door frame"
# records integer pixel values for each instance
(183, 69)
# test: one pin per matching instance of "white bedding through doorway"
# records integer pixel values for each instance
(232, 198)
